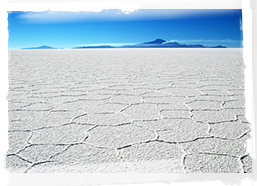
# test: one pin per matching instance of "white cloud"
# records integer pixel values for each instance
(64, 17)
(53, 17)
(114, 15)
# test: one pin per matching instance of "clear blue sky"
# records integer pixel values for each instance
(72, 29)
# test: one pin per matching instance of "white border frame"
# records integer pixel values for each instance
(97, 5)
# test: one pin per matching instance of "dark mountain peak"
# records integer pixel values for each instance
(156, 41)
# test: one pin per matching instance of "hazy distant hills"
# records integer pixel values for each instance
(219, 46)
(101, 46)
(160, 43)
(41, 47)
(157, 43)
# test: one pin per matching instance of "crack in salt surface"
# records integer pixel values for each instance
(16, 155)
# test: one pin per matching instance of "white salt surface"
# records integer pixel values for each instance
(127, 110)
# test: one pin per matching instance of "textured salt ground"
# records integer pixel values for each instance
(127, 110)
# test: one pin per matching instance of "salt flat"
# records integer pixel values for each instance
(127, 110)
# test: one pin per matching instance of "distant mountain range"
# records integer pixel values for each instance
(100, 46)
(41, 47)
(157, 43)
(160, 43)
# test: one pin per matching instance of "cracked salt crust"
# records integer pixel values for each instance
(226, 129)
(18, 140)
(119, 136)
(205, 163)
(234, 148)
(142, 111)
(205, 105)
(175, 114)
(133, 110)
(214, 116)
(108, 119)
(66, 134)
(166, 156)
(184, 131)
(40, 153)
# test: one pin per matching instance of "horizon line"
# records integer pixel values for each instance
(222, 42)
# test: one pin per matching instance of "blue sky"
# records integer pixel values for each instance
(114, 27)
